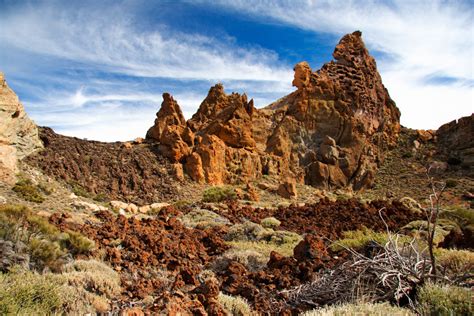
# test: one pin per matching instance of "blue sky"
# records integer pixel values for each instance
(97, 69)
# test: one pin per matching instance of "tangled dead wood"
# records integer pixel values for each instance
(391, 273)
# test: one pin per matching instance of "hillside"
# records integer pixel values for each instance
(318, 200)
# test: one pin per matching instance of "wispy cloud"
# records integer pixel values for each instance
(419, 44)
(111, 41)
(87, 68)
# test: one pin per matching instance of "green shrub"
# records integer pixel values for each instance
(202, 219)
(28, 191)
(182, 203)
(78, 243)
(444, 300)
(270, 222)
(27, 293)
(218, 194)
(41, 225)
(252, 236)
(79, 190)
(455, 262)
(45, 253)
(101, 197)
(358, 239)
(451, 183)
(444, 227)
(462, 216)
(235, 305)
(12, 219)
(350, 309)
(46, 245)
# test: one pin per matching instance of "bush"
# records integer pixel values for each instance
(28, 191)
(78, 190)
(444, 300)
(252, 236)
(270, 222)
(251, 259)
(45, 244)
(455, 262)
(84, 287)
(451, 183)
(101, 197)
(244, 232)
(78, 243)
(202, 219)
(444, 227)
(218, 194)
(462, 216)
(360, 309)
(27, 293)
(45, 253)
(235, 305)
(358, 239)
(93, 276)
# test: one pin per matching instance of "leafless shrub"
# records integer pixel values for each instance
(391, 274)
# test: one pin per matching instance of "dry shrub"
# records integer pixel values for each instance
(359, 239)
(444, 227)
(235, 305)
(360, 309)
(444, 300)
(203, 219)
(251, 259)
(93, 276)
(457, 265)
(218, 194)
(86, 287)
(270, 222)
(252, 236)
(393, 273)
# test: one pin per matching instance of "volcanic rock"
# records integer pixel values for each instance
(456, 141)
(139, 174)
(18, 134)
(331, 132)
(171, 131)
(288, 189)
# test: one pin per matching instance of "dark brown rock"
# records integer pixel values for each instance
(455, 141)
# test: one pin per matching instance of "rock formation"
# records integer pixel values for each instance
(18, 134)
(330, 132)
(456, 141)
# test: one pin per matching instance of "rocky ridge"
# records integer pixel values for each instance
(18, 133)
(329, 133)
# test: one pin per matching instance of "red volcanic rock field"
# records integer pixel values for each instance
(160, 257)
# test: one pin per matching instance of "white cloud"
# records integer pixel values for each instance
(420, 39)
(109, 40)
(47, 45)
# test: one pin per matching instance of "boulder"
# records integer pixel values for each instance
(287, 189)
(86, 206)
